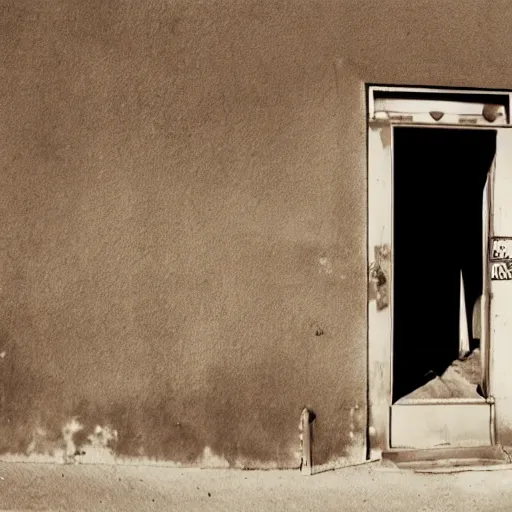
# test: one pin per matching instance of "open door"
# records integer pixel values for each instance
(483, 314)
(448, 406)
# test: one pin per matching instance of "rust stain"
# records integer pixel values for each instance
(379, 277)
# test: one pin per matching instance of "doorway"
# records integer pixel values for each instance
(439, 268)
(438, 193)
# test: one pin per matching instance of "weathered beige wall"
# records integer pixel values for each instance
(183, 207)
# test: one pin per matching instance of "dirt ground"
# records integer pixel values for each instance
(363, 488)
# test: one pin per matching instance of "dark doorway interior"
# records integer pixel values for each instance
(439, 177)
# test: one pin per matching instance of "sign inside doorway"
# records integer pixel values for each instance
(501, 271)
(501, 249)
(501, 258)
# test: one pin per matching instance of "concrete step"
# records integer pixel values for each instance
(447, 457)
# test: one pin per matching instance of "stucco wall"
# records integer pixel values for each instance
(183, 208)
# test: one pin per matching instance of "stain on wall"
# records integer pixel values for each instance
(183, 205)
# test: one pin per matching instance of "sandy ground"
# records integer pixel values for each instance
(369, 487)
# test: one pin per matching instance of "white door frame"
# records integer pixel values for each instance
(383, 115)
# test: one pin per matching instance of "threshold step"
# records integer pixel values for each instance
(455, 455)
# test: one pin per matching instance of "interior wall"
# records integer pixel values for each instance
(439, 176)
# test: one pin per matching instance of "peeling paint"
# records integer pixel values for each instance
(213, 461)
(103, 437)
(99, 447)
(68, 432)
(96, 451)
(38, 435)
(66, 449)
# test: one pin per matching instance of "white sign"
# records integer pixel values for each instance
(501, 271)
(501, 249)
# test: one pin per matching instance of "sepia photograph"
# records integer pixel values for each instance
(256, 255)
